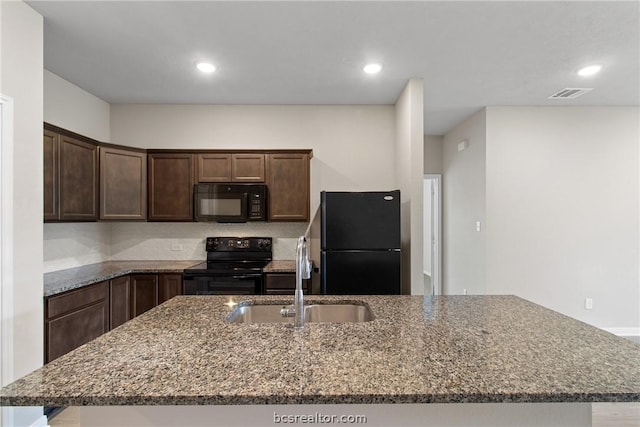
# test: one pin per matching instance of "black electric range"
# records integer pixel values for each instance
(233, 267)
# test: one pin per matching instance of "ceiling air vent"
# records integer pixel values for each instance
(570, 92)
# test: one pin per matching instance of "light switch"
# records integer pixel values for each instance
(478, 226)
(462, 145)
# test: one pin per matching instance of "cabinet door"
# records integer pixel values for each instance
(288, 183)
(283, 284)
(170, 285)
(123, 184)
(214, 167)
(75, 318)
(78, 180)
(170, 187)
(247, 167)
(51, 175)
(119, 301)
(143, 293)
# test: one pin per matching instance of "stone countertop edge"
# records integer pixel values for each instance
(280, 266)
(446, 349)
(57, 282)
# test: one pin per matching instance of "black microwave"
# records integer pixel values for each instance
(230, 202)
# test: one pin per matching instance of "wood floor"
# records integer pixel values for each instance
(603, 415)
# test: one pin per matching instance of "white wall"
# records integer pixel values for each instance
(69, 107)
(153, 241)
(21, 77)
(72, 108)
(409, 173)
(433, 145)
(353, 149)
(463, 203)
(68, 245)
(562, 209)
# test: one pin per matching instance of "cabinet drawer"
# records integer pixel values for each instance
(73, 300)
(280, 281)
(283, 284)
(70, 331)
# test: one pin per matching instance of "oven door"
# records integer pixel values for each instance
(220, 207)
(220, 284)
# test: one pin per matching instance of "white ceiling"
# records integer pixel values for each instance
(470, 54)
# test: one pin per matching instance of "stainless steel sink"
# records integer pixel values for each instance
(257, 314)
(328, 313)
(337, 313)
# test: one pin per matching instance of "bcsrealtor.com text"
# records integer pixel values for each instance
(318, 418)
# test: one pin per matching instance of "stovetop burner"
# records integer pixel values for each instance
(233, 267)
(235, 254)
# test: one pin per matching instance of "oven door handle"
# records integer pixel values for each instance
(192, 276)
(247, 276)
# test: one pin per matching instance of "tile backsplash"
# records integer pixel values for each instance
(73, 244)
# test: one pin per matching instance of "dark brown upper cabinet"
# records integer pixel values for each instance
(70, 178)
(230, 167)
(247, 167)
(123, 184)
(288, 182)
(51, 175)
(214, 167)
(85, 183)
(170, 186)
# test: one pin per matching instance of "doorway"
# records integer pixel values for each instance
(432, 226)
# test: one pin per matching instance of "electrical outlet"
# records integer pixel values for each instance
(464, 291)
(588, 303)
(176, 247)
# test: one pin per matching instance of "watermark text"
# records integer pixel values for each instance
(318, 418)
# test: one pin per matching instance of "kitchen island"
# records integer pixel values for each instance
(492, 359)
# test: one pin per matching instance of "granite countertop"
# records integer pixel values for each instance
(280, 266)
(60, 281)
(416, 350)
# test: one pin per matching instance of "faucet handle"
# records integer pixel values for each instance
(306, 270)
(288, 311)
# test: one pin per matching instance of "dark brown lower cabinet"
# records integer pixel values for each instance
(170, 285)
(75, 318)
(143, 293)
(120, 311)
(284, 284)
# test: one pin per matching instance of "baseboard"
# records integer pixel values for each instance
(631, 333)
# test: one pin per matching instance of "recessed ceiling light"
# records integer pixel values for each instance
(372, 68)
(589, 70)
(206, 67)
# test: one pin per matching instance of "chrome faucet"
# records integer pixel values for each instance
(303, 271)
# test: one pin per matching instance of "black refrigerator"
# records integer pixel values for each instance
(360, 243)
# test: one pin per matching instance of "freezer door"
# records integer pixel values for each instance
(360, 220)
(361, 272)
